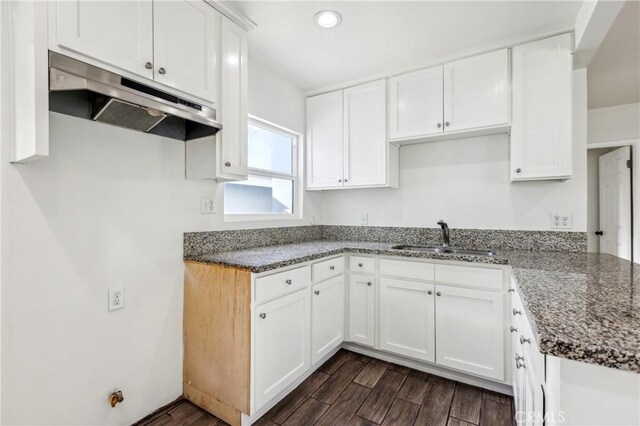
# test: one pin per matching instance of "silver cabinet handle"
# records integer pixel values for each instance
(524, 340)
(369, 283)
(429, 292)
(516, 312)
(332, 267)
(513, 329)
(359, 265)
(317, 292)
(162, 71)
(148, 65)
(511, 290)
(438, 293)
(263, 316)
(288, 282)
(518, 170)
(439, 125)
(446, 124)
(519, 358)
(227, 164)
(520, 364)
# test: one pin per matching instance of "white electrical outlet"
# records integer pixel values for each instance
(116, 298)
(207, 205)
(560, 220)
(364, 220)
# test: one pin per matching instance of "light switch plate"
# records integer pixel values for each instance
(207, 205)
(561, 220)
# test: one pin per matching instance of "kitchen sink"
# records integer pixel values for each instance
(445, 250)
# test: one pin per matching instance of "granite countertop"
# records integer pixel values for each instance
(582, 306)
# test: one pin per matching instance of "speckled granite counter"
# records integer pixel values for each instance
(583, 307)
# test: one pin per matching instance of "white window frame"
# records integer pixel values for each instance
(296, 158)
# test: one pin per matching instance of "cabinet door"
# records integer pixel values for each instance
(415, 104)
(476, 92)
(365, 134)
(327, 317)
(407, 318)
(118, 33)
(541, 134)
(232, 139)
(533, 399)
(184, 46)
(281, 344)
(324, 141)
(470, 330)
(361, 309)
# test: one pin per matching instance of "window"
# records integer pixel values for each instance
(271, 191)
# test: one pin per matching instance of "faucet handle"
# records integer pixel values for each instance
(441, 222)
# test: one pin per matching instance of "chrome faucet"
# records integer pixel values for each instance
(445, 233)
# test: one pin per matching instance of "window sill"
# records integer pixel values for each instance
(260, 217)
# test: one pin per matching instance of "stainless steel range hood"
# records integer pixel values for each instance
(86, 91)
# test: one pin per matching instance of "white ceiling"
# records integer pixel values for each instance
(381, 38)
(613, 76)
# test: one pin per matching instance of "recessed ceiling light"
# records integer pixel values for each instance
(327, 18)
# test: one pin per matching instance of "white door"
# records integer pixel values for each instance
(324, 141)
(365, 134)
(541, 127)
(476, 91)
(232, 139)
(361, 309)
(281, 344)
(615, 203)
(118, 33)
(184, 46)
(407, 318)
(470, 331)
(327, 317)
(415, 104)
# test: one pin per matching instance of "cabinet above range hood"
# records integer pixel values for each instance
(82, 90)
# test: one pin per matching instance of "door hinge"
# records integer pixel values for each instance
(629, 164)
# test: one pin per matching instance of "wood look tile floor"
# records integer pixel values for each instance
(353, 389)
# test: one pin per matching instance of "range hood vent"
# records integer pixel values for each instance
(85, 91)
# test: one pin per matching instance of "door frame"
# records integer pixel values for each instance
(635, 187)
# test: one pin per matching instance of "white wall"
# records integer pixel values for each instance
(466, 182)
(107, 208)
(614, 123)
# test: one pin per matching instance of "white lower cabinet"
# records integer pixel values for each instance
(361, 309)
(327, 317)
(281, 344)
(407, 318)
(469, 330)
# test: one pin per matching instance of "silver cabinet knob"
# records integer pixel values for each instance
(263, 316)
(520, 364)
(439, 125)
(359, 265)
(339, 180)
(148, 65)
(513, 329)
(519, 358)
(518, 170)
(332, 267)
(346, 180)
(429, 292)
(369, 283)
(524, 340)
(227, 164)
(516, 312)
(317, 292)
(446, 124)
(438, 293)
(162, 71)
(511, 290)
(288, 282)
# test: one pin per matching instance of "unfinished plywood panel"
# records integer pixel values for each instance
(217, 338)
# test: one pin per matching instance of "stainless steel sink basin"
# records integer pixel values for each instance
(445, 250)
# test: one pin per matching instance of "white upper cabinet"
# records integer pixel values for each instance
(118, 33)
(324, 141)
(541, 133)
(365, 134)
(184, 46)
(476, 92)
(415, 104)
(347, 139)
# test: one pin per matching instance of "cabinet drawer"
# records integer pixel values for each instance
(362, 264)
(282, 283)
(326, 269)
(407, 269)
(468, 276)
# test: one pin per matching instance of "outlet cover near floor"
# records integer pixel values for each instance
(561, 220)
(116, 298)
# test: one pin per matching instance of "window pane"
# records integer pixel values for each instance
(270, 150)
(259, 195)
